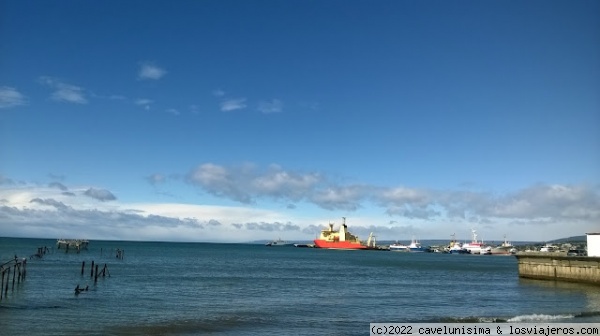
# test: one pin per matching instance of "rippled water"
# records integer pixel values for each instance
(245, 289)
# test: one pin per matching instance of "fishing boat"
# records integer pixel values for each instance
(341, 239)
(456, 247)
(278, 242)
(487, 250)
(506, 248)
(474, 247)
(399, 247)
(415, 246)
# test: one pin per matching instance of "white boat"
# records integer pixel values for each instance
(415, 246)
(278, 242)
(474, 247)
(549, 248)
(399, 247)
(486, 250)
(456, 247)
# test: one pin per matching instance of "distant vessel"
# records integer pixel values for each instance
(456, 247)
(549, 248)
(415, 246)
(474, 247)
(505, 248)
(399, 247)
(278, 242)
(486, 250)
(341, 239)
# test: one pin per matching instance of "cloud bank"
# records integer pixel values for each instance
(540, 211)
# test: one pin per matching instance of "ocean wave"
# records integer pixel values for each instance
(540, 317)
(471, 319)
(515, 319)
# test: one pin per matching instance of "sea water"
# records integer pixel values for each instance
(251, 289)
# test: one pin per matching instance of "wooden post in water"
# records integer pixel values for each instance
(14, 275)
(96, 277)
(2, 284)
(24, 268)
(92, 270)
(7, 278)
(82, 267)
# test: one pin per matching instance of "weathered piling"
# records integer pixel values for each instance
(7, 280)
(82, 267)
(92, 270)
(79, 289)
(18, 268)
(24, 268)
(14, 276)
(41, 251)
(96, 277)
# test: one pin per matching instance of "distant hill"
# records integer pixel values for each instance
(569, 239)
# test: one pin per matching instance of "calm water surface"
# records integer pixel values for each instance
(245, 289)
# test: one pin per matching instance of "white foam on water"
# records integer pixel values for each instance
(539, 317)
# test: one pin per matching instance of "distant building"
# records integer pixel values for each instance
(593, 244)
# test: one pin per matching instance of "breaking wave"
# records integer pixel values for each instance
(539, 317)
(516, 319)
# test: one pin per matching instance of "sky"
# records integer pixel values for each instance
(237, 121)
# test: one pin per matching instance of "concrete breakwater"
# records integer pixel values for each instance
(548, 266)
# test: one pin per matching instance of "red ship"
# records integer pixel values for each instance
(341, 239)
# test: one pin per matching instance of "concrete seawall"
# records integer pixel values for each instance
(559, 267)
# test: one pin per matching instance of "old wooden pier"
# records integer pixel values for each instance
(19, 271)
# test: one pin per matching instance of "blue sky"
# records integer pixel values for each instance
(242, 120)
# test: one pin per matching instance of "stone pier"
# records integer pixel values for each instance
(547, 266)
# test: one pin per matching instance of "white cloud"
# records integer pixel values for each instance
(339, 198)
(218, 93)
(173, 111)
(10, 97)
(273, 106)
(34, 211)
(64, 92)
(150, 71)
(233, 104)
(538, 212)
(143, 102)
(245, 184)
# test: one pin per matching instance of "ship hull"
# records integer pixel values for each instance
(339, 245)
